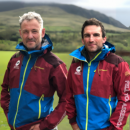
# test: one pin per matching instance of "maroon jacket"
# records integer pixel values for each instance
(28, 89)
(98, 91)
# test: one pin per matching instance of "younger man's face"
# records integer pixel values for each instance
(92, 38)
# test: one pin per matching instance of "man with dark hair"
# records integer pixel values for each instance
(31, 79)
(98, 83)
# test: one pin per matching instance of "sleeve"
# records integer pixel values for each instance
(5, 96)
(70, 103)
(59, 76)
(122, 87)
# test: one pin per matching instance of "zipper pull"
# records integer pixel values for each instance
(42, 97)
(35, 68)
(109, 97)
(89, 64)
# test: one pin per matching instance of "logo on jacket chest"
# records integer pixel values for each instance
(17, 65)
(78, 70)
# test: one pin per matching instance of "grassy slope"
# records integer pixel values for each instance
(54, 18)
(120, 41)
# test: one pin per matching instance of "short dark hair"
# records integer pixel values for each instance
(93, 21)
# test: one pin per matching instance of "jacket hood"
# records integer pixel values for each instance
(46, 44)
(107, 47)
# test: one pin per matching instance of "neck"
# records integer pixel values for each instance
(93, 54)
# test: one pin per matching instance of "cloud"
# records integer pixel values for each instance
(100, 3)
(127, 4)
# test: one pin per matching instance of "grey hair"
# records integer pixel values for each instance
(29, 16)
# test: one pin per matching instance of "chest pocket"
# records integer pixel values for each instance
(102, 81)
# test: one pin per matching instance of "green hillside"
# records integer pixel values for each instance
(62, 27)
(54, 18)
(71, 9)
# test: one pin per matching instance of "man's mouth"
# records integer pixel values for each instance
(91, 44)
(30, 40)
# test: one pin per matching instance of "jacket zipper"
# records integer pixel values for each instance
(21, 91)
(41, 98)
(89, 65)
(110, 106)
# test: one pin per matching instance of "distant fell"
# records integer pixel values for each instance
(89, 14)
(10, 5)
(72, 9)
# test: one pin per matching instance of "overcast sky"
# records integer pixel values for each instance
(118, 9)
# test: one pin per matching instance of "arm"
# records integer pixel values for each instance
(5, 96)
(70, 106)
(75, 127)
(122, 87)
(59, 75)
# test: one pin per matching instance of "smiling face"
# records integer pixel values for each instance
(31, 34)
(93, 40)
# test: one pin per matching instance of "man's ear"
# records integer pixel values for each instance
(104, 39)
(82, 41)
(20, 33)
(43, 32)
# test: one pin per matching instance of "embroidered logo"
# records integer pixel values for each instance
(78, 70)
(17, 65)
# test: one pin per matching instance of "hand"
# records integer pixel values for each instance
(35, 127)
(75, 127)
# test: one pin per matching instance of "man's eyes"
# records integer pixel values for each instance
(33, 31)
(95, 35)
(25, 32)
(86, 35)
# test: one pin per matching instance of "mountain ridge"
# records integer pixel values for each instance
(72, 9)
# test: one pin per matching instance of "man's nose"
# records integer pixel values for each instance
(91, 38)
(30, 35)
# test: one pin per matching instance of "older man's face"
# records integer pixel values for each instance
(31, 34)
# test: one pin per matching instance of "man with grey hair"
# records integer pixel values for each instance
(33, 75)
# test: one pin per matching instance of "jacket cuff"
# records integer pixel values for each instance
(111, 127)
(72, 120)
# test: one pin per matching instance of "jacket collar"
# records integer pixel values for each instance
(107, 47)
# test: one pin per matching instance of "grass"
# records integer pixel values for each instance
(64, 125)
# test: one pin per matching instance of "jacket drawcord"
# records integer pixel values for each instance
(81, 66)
(22, 59)
(98, 69)
(35, 65)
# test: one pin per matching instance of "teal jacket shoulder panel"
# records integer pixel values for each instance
(106, 48)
